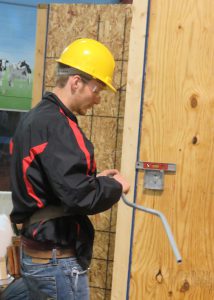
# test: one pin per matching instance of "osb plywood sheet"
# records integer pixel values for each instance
(178, 127)
(109, 274)
(108, 295)
(101, 244)
(118, 74)
(111, 246)
(104, 132)
(50, 72)
(69, 22)
(121, 99)
(108, 23)
(108, 106)
(119, 142)
(101, 221)
(84, 123)
(113, 218)
(112, 29)
(97, 294)
(97, 274)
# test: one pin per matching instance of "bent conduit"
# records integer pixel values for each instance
(164, 222)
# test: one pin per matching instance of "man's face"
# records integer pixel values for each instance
(89, 94)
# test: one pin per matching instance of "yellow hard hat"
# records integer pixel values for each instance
(91, 57)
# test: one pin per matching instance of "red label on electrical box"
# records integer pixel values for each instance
(155, 166)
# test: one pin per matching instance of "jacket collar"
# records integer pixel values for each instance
(53, 98)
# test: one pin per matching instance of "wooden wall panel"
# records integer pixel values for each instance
(109, 25)
(102, 220)
(177, 127)
(104, 139)
(73, 25)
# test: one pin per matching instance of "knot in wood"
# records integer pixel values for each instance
(193, 101)
(194, 140)
(185, 287)
(159, 277)
(170, 293)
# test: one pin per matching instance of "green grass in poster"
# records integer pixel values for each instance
(16, 96)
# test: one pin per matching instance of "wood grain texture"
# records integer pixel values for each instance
(97, 275)
(104, 132)
(97, 293)
(101, 244)
(39, 54)
(101, 221)
(104, 22)
(178, 127)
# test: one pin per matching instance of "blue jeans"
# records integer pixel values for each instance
(61, 279)
(16, 290)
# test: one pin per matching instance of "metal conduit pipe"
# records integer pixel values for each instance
(164, 222)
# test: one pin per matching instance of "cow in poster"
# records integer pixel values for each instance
(21, 70)
(3, 67)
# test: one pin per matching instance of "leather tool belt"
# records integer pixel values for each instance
(47, 254)
(44, 250)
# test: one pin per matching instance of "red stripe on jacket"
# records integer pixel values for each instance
(26, 164)
(94, 166)
(11, 146)
(80, 141)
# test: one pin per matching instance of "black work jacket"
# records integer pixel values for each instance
(53, 164)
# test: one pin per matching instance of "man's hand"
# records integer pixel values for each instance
(123, 181)
(114, 173)
(109, 172)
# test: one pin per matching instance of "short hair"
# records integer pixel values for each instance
(62, 78)
(64, 72)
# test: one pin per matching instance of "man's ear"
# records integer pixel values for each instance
(75, 82)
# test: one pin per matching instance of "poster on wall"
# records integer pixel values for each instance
(8, 122)
(17, 50)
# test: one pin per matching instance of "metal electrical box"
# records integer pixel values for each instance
(154, 174)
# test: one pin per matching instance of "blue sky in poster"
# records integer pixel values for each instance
(17, 33)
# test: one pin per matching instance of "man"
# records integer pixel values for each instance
(54, 181)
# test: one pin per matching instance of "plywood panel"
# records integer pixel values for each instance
(109, 105)
(97, 293)
(113, 29)
(111, 246)
(101, 221)
(104, 140)
(101, 243)
(104, 22)
(97, 274)
(73, 25)
(178, 127)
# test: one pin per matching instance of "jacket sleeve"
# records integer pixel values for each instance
(65, 162)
